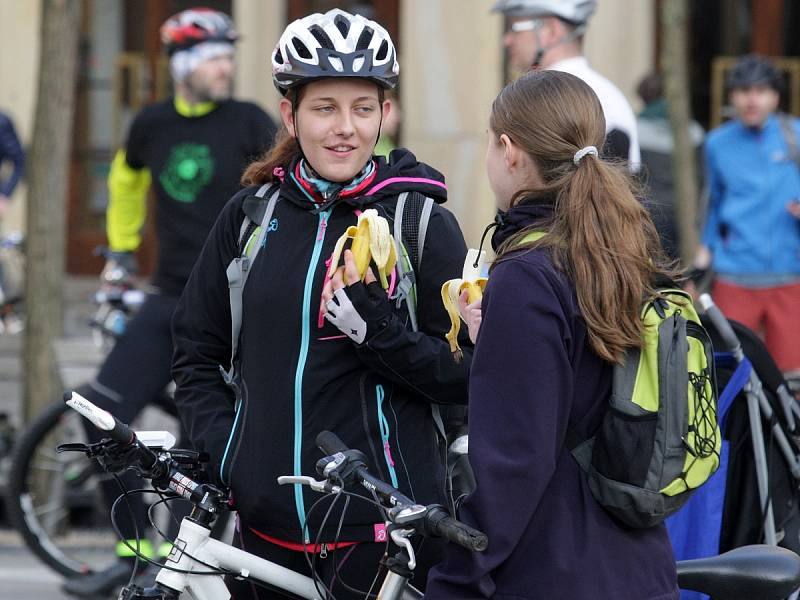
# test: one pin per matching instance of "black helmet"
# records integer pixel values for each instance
(752, 70)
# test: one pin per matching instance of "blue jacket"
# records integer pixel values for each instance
(533, 375)
(11, 150)
(752, 178)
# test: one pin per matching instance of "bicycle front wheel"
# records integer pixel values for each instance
(54, 500)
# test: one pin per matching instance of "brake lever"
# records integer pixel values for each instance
(400, 538)
(73, 447)
(318, 486)
(101, 448)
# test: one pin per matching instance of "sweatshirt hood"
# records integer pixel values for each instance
(402, 172)
(528, 213)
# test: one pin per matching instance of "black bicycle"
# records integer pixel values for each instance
(54, 500)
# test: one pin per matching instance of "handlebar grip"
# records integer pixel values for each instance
(720, 323)
(329, 443)
(457, 532)
(102, 419)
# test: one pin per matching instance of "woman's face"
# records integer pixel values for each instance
(500, 177)
(509, 169)
(337, 123)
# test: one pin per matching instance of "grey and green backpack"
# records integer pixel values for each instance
(659, 440)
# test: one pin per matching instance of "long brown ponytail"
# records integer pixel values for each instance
(600, 235)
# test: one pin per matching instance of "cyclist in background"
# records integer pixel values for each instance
(191, 149)
(558, 312)
(751, 237)
(317, 352)
(548, 34)
(10, 151)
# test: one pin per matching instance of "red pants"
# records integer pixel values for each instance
(773, 313)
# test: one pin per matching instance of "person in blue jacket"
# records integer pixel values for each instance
(557, 314)
(10, 150)
(751, 237)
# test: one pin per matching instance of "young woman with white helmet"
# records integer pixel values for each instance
(318, 352)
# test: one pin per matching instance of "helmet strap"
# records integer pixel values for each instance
(295, 99)
(542, 50)
(381, 99)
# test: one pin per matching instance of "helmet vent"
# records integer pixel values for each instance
(365, 38)
(336, 63)
(301, 48)
(383, 51)
(321, 37)
(342, 24)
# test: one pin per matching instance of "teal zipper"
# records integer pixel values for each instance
(301, 365)
(384, 425)
(228, 445)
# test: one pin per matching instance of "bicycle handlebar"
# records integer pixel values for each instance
(436, 520)
(133, 453)
(433, 519)
(102, 419)
(443, 525)
(331, 445)
(721, 324)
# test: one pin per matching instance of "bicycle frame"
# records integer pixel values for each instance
(194, 546)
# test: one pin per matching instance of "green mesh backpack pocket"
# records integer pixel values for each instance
(659, 440)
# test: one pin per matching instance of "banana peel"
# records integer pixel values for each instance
(474, 284)
(371, 241)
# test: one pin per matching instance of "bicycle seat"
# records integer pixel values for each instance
(758, 571)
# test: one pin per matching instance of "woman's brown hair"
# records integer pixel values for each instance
(283, 152)
(600, 234)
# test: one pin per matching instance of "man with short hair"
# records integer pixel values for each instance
(751, 237)
(192, 149)
(548, 34)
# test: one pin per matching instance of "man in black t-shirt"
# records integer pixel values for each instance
(191, 150)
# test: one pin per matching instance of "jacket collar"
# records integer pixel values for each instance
(527, 213)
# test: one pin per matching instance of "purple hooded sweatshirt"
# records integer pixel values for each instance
(533, 376)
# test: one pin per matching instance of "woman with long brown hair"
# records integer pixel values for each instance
(558, 312)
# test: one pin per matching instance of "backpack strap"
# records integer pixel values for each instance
(411, 218)
(787, 127)
(239, 268)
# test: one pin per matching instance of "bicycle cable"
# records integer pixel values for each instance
(235, 574)
(136, 549)
(132, 516)
(311, 562)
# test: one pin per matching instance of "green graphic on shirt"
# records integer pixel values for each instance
(188, 170)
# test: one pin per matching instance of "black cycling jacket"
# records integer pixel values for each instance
(299, 375)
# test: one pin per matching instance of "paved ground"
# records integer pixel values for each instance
(22, 576)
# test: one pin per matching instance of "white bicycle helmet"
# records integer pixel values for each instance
(334, 44)
(576, 12)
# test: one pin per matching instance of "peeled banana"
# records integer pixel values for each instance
(371, 242)
(471, 281)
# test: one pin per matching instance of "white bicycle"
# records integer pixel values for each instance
(198, 563)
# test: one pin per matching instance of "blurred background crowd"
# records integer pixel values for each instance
(672, 60)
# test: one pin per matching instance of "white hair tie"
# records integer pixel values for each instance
(583, 152)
